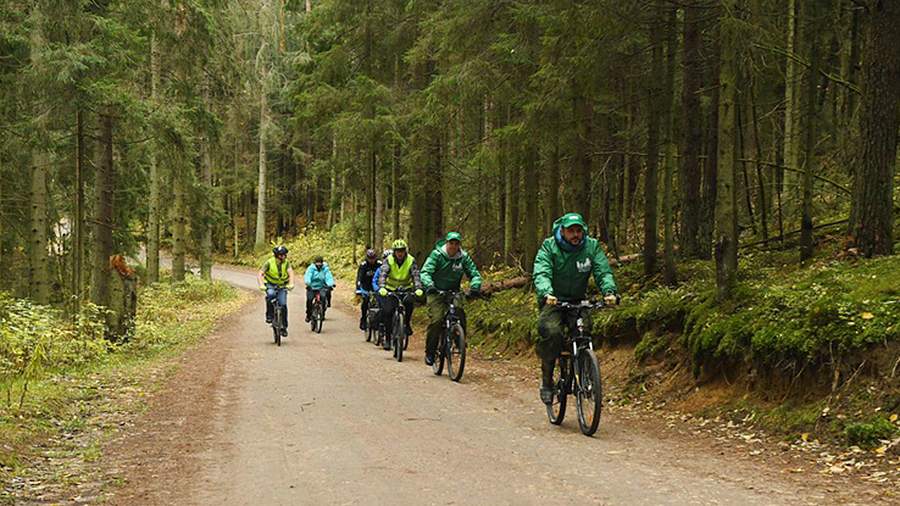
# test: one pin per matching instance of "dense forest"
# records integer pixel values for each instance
(679, 129)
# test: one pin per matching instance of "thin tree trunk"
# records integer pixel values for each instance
(206, 245)
(395, 192)
(378, 242)
(760, 180)
(669, 274)
(179, 228)
(726, 217)
(709, 188)
(530, 230)
(791, 113)
(260, 240)
(153, 221)
(651, 217)
(38, 255)
(78, 229)
(871, 217)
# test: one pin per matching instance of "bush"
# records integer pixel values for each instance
(868, 434)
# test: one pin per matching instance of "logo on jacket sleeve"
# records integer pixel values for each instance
(584, 265)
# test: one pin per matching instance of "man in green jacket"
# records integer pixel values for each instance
(444, 270)
(562, 267)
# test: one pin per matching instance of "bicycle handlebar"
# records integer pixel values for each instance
(585, 304)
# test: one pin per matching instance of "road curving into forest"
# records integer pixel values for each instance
(329, 419)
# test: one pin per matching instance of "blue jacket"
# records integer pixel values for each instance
(375, 279)
(317, 279)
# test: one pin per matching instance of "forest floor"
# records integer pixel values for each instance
(327, 418)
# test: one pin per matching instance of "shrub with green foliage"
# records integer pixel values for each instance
(35, 339)
(868, 434)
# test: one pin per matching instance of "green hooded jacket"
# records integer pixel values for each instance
(445, 273)
(562, 270)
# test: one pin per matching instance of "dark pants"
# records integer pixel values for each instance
(552, 326)
(437, 309)
(311, 296)
(364, 312)
(388, 306)
(279, 292)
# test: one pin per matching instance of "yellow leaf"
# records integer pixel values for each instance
(894, 417)
(804, 436)
(867, 316)
(881, 450)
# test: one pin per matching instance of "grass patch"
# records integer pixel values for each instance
(66, 400)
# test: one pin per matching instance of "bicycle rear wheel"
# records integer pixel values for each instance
(589, 392)
(556, 410)
(440, 354)
(456, 352)
(320, 316)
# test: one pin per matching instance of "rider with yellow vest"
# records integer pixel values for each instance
(275, 277)
(399, 272)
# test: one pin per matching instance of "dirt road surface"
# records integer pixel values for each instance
(329, 419)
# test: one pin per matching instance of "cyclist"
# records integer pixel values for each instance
(400, 271)
(275, 277)
(364, 276)
(443, 270)
(562, 267)
(318, 278)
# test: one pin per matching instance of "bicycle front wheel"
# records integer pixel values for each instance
(556, 410)
(399, 335)
(276, 325)
(456, 352)
(589, 392)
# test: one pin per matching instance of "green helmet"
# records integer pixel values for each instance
(398, 244)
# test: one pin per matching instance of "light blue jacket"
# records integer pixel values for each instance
(317, 279)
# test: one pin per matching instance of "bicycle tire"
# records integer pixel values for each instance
(456, 347)
(312, 319)
(556, 410)
(399, 335)
(276, 325)
(588, 392)
(440, 353)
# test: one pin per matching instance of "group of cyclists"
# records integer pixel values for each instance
(562, 267)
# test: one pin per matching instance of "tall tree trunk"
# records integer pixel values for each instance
(206, 245)
(806, 222)
(38, 258)
(551, 200)
(179, 225)
(871, 217)
(260, 240)
(693, 134)
(671, 17)
(791, 115)
(581, 180)
(726, 203)
(395, 192)
(78, 229)
(651, 216)
(333, 194)
(378, 243)
(760, 178)
(104, 187)
(153, 221)
(530, 230)
(709, 187)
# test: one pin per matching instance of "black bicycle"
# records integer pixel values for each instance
(374, 329)
(320, 301)
(577, 371)
(452, 344)
(278, 324)
(399, 338)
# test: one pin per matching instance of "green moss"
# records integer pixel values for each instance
(868, 434)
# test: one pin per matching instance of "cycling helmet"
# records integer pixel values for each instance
(370, 254)
(280, 250)
(399, 244)
(386, 254)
